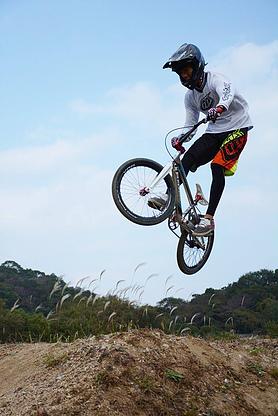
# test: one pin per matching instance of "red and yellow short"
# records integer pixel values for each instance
(230, 150)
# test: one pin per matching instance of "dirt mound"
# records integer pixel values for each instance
(140, 373)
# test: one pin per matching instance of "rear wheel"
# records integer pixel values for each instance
(193, 252)
(130, 191)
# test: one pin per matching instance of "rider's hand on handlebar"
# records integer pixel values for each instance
(214, 113)
(176, 144)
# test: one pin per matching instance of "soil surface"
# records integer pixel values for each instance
(139, 373)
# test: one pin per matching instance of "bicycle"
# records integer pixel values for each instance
(138, 180)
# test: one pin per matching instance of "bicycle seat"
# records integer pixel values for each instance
(200, 195)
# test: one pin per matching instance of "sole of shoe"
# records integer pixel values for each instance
(156, 205)
(202, 234)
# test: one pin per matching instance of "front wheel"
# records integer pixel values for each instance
(129, 183)
(193, 252)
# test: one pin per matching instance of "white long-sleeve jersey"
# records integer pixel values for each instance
(218, 90)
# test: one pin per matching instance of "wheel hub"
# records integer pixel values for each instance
(144, 191)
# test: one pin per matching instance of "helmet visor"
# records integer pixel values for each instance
(177, 66)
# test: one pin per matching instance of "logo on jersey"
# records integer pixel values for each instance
(206, 102)
(226, 91)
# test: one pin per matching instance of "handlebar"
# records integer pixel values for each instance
(185, 136)
(203, 121)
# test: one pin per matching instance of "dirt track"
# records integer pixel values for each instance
(140, 373)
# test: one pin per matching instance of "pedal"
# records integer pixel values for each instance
(172, 225)
(188, 226)
(176, 218)
(199, 197)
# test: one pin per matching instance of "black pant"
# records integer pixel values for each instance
(201, 152)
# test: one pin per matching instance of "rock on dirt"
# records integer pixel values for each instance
(137, 373)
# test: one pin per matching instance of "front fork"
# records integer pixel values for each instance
(178, 216)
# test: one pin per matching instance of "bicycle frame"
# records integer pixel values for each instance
(177, 161)
(177, 175)
(176, 170)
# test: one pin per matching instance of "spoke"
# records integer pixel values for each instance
(132, 179)
(144, 176)
(137, 175)
(193, 255)
(129, 190)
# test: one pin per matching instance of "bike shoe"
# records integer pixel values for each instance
(158, 202)
(205, 227)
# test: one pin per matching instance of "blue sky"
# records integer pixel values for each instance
(82, 91)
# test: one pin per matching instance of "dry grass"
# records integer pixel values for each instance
(53, 360)
(274, 373)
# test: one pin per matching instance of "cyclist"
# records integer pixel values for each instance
(226, 135)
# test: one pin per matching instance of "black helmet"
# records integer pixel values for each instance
(187, 53)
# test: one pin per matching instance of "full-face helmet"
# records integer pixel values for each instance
(187, 54)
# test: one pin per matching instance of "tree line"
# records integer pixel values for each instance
(39, 307)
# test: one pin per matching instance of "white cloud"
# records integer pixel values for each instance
(56, 186)
(37, 158)
(141, 104)
(58, 155)
(82, 107)
(77, 200)
(249, 63)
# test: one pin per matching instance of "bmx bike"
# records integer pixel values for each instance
(138, 180)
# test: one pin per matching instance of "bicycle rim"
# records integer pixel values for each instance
(133, 177)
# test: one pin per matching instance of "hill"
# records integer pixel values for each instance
(140, 373)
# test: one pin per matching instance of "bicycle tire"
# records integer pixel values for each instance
(187, 239)
(140, 165)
